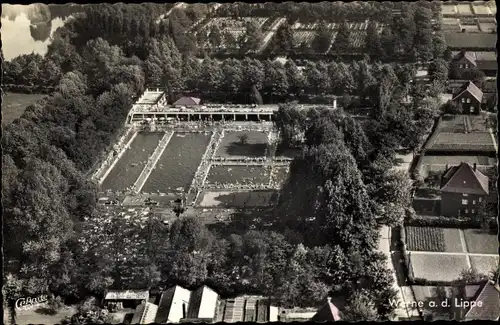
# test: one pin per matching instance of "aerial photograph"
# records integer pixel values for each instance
(249, 162)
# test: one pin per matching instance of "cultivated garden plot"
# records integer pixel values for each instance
(177, 166)
(238, 199)
(431, 239)
(437, 267)
(448, 9)
(481, 242)
(484, 264)
(225, 175)
(232, 146)
(464, 9)
(132, 162)
(426, 239)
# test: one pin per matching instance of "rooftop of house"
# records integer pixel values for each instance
(489, 296)
(203, 303)
(145, 314)
(466, 55)
(464, 178)
(329, 312)
(470, 87)
(170, 307)
(150, 97)
(127, 295)
(188, 101)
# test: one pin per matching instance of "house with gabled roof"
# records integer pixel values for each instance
(202, 304)
(145, 313)
(464, 60)
(187, 101)
(469, 97)
(487, 303)
(463, 188)
(328, 313)
(173, 305)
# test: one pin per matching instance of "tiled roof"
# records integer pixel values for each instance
(470, 87)
(469, 56)
(203, 303)
(145, 314)
(188, 101)
(328, 313)
(489, 296)
(127, 295)
(487, 65)
(464, 179)
(170, 308)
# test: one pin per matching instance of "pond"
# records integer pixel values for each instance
(30, 28)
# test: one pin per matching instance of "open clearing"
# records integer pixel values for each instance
(481, 242)
(14, 104)
(238, 199)
(129, 167)
(178, 164)
(231, 145)
(438, 267)
(425, 239)
(238, 174)
(484, 264)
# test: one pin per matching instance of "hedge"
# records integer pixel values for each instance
(441, 221)
(425, 282)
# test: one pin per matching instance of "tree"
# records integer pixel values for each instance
(438, 70)
(387, 85)
(253, 35)
(284, 41)
(359, 308)
(423, 35)
(215, 37)
(342, 41)
(243, 138)
(178, 207)
(294, 77)
(372, 42)
(322, 38)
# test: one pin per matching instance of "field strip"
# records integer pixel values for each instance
(120, 154)
(446, 253)
(141, 180)
(270, 34)
(462, 240)
(202, 172)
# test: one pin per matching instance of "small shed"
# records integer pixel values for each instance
(187, 101)
(126, 298)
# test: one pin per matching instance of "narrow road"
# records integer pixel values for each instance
(455, 253)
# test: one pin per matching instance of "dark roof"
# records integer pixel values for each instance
(328, 313)
(188, 101)
(198, 305)
(471, 40)
(166, 303)
(489, 296)
(262, 311)
(470, 87)
(464, 179)
(466, 55)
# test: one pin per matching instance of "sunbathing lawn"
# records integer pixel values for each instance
(484, 264)
(238, 199)
(238, 174)
(438, 267)
(230, 145)
(14, 104)
(480, 242)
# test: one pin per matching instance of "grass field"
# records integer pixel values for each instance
(440, 267)
(238, 174)
(231, 146)
(484, 264)
(14, 104)
(480, 242)
(238, 199)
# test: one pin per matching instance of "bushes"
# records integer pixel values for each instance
(444, 222)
